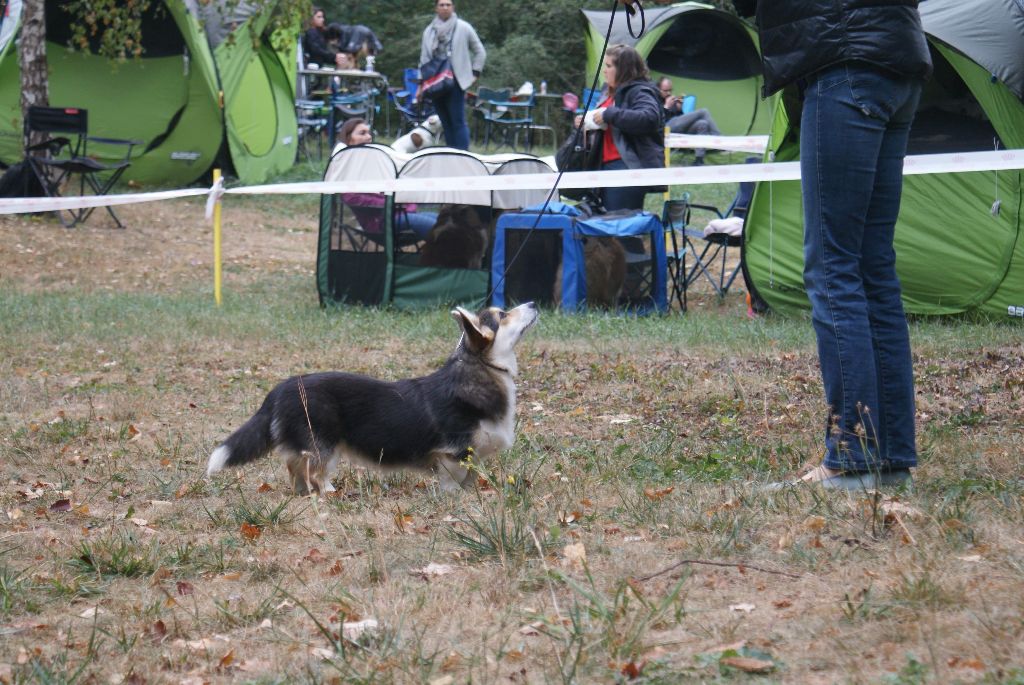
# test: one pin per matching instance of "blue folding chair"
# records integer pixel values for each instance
(404, 100)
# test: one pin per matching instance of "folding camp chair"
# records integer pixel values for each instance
(58, 158)
(675, 216)
(719, 236)
(311, 117)
(487, 108)
(404, 99)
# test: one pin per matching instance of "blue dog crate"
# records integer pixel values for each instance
(546, 258)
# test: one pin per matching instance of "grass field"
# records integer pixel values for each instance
(623, 538)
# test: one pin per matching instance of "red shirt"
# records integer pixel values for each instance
(609, 153)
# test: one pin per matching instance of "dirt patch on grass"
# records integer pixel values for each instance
(624, 537)
(167, 247)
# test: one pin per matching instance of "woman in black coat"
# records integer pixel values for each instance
(634, 136)
(857, 67)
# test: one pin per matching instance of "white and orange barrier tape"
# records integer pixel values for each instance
(757, 144)
(1000, 160)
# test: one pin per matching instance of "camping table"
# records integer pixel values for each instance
(356, 81)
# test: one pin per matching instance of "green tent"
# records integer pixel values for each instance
(167, 98)
(957, 241)
(706, 52)
(170, 98)
(258, 84)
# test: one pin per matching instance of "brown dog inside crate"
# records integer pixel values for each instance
(458, 240)
(605, 265)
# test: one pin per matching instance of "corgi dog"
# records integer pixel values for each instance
(420, 137)
(429, 423)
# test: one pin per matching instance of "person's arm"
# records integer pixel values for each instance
(426, 48)
(477, 50)
(316, 47)
(643, 115)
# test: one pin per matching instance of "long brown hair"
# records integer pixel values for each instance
(629, 65)
(346, 129)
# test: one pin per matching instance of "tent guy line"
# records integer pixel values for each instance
(961, 162)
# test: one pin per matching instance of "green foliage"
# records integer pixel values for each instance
(108, 27)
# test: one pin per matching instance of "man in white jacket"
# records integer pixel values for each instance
(448, 35)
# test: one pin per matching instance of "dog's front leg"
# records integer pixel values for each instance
(452, 472)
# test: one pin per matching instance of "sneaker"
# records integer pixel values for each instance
(849, 480)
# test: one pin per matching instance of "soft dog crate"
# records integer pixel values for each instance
(545, 258)
(416, 248)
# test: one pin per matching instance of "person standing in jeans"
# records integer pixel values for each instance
(467, 60)
(859, 66)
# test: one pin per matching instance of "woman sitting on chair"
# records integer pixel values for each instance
(357, 132)
(631, 115)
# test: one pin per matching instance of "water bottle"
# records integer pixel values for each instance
(370, 59)
(543, 87)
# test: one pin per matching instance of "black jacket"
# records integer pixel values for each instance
(638, 125)
(801, 37)
(314, 44)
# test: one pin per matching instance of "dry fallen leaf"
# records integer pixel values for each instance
(814, 523)
(61, 505)
(266, 487)
(748, 664)
(184, 587)
(226, 660)
(443, 680)
(575, 556)
(432, 570)
(250, 532)
(353, 630)
(654, 494)
(92, 612)
(745, 607)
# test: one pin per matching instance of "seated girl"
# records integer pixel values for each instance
(357, 132)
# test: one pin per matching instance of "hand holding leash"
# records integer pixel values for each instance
(630, 6)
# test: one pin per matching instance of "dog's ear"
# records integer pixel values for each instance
(477, 339)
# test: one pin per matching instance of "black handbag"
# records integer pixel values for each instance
(438, 77)
(583, 155)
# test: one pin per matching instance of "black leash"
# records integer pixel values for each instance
(578, 132)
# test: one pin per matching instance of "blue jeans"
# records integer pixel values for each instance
(452, 111)
(625, 197)
(854, 130)
(419, 223)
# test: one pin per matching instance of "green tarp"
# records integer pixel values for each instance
(958, 241)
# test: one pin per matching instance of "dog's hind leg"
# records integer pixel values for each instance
(308, 472)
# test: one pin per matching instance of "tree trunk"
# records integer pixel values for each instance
(32, 52)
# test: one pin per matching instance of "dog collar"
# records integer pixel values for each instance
(496, 367)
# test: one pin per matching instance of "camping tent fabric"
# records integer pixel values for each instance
(259, 104)
(957, 242)
(167, 98)
(170, 97)
(706, 52)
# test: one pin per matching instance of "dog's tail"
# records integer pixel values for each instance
(250, 442)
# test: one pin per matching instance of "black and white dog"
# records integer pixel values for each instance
(426, 423)
(420, 137)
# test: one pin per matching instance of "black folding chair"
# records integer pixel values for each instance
(58, 158)
(716, 244)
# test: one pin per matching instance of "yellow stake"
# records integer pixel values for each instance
(216, 243)
(668, 191)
